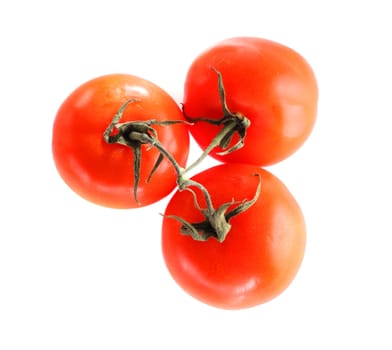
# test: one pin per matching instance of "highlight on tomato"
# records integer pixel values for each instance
(267, 88)
(102, 141)
(260, 255)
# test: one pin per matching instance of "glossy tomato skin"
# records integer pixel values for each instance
(103, 173)
(269, 83)
(262, 252)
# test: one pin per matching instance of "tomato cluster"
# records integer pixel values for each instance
(233, 236)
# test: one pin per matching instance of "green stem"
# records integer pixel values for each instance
(214, 143)
(155, 143)
(182, 181)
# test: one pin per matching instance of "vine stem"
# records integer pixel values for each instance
(134, 134)
(214, 143)
(182, 181)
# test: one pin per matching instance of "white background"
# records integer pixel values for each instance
(77, 276)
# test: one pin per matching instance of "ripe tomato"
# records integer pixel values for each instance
(269, 83)
(103, 173)
(260, 255)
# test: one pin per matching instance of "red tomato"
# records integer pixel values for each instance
(269, 83)
(260, 255)
(103, 173)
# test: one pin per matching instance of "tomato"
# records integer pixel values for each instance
(261, 253)
(103, 173)
(270, 84)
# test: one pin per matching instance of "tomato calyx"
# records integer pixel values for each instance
(232, 122)
(217, 221)
(135, 134)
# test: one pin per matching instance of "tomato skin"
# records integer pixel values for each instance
(103, 173)
(269, 83)
(262, 252)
